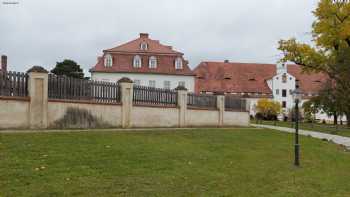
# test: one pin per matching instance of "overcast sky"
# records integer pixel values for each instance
(42, 32)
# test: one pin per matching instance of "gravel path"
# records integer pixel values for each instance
(345, 141)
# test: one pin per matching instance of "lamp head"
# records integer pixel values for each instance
(297, 95)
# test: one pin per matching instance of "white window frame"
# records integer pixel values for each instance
(167, 85)
(152, 83)
(108, 60)
(137, 82)
(277, 91)
(178, 63)
(182, 83)
(137, 62)
(152, 63)
(144, 46)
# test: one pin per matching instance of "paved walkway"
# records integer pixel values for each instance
(345, 141)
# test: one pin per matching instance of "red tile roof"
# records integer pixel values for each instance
(310, 83)
(233, 77)
(123, 57)
(164, 69)
(248, 78)
(154, 46)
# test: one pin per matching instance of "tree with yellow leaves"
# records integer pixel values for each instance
(268, 108)
(330, 52)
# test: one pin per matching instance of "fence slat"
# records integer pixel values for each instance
(61, 87)
(1, 83)
(234, 103)
(13, 84)
(201, 100)
(153, 96)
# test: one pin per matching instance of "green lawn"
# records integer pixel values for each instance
(342, 130)
(203, 162)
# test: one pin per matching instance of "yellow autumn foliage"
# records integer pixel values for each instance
(268, 107)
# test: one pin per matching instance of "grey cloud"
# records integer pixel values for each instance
(41, 32)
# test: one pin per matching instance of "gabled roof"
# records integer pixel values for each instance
(249, 77)
(165, 57)
(245, 78)
(154, 46)
(164, 69)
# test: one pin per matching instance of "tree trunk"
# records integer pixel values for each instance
(335, 119)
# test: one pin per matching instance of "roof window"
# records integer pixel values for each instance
(144, 46)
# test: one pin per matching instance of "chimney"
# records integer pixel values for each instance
(3, 65)
(226, 61)
(143, 35)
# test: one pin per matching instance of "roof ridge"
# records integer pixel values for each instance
(243, 71)
(162, 48)
(122, 44)
(237, 63)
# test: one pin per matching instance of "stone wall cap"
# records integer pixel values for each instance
(125, 80)
(181, 88)
(37, 69)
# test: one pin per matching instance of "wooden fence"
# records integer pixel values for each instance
(154, 96)
(235, 104)
(201, 101)
(13, 84)
(61, 87)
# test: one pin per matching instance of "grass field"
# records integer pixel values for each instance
(342, 130)
(203, 162)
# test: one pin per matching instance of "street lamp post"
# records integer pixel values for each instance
(297, 98)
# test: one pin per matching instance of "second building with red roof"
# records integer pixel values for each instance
(147, 62)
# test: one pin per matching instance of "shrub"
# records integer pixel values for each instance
(268, 109)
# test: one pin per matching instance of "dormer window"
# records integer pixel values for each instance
(252, 79)
(144, 46)
(178, 63)
(227, 76)
(108, 60)
(137, 63)
(152, 62)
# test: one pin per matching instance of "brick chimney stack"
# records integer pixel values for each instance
(3, 65)
(143, 35)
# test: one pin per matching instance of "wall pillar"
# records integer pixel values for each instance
(221, 108)
(38, 93)
(126, 87)
(182, 105)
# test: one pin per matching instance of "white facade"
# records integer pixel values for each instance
(282, 85)
(252, 102)
(153, 80)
